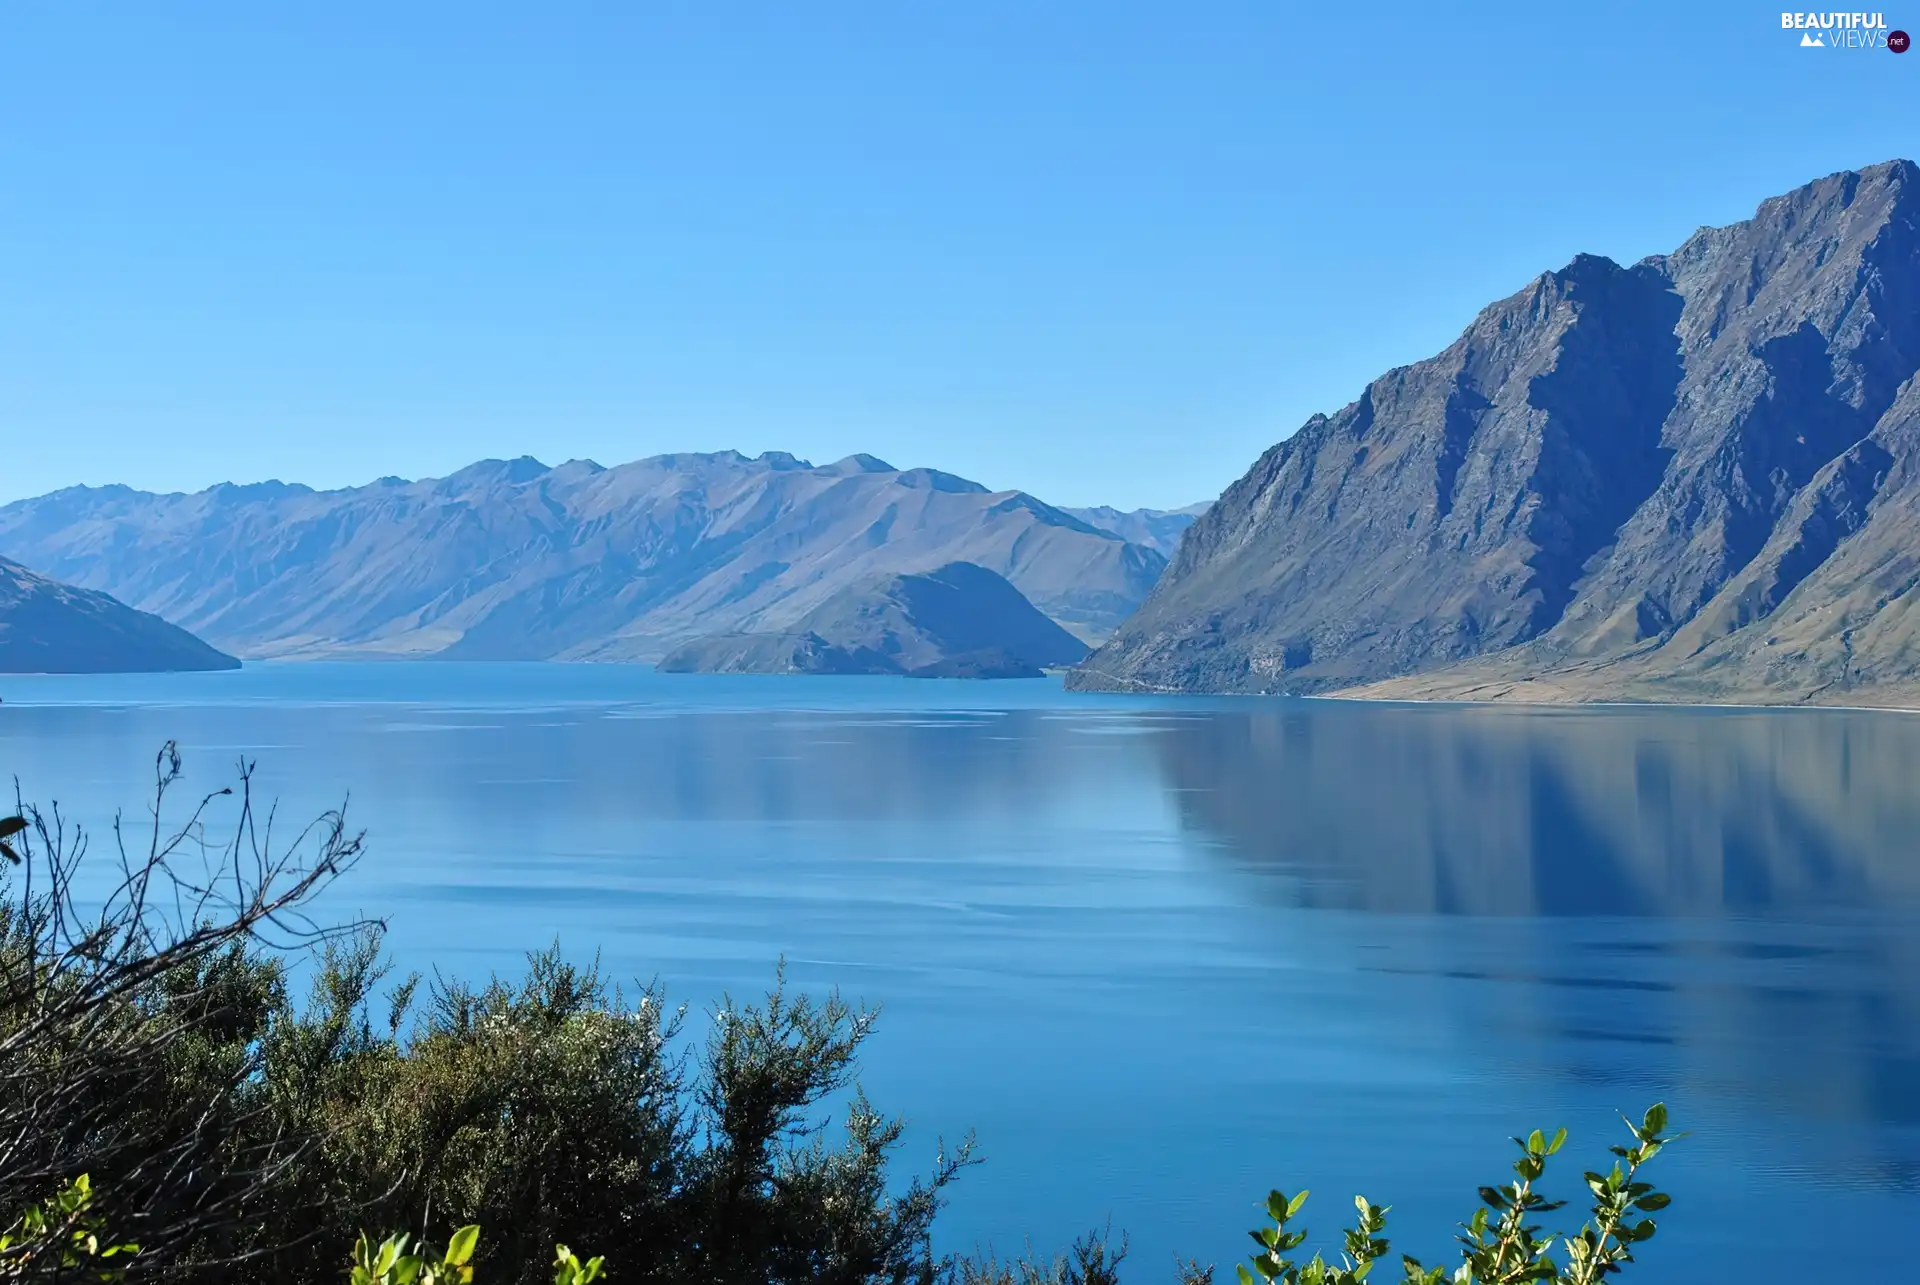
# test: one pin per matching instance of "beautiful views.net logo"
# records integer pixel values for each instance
(1844, 31)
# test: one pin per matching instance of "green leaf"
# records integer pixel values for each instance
(1293, 1206)
(1656, 1118)
(1653, 1202)
(460, 1248)
(1559, 1141)
(389, 1254)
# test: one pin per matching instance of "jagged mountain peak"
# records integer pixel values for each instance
(525, 468)
(858, 463)
(243, 492)
(935, 480)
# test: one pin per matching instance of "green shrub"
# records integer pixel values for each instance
(132, 1019)
(153, 1043)
(557, 1109)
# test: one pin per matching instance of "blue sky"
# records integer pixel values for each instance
(1104, 253)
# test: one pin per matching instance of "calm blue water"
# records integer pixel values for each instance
(1163, 954)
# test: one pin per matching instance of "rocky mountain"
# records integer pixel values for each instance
(513, 560)
(958, 621)
(1697, 477)
(1157, 529)
(51, 628)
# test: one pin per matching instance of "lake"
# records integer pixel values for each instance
(1163, 954)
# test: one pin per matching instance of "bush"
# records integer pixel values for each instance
(131, 1018)
(555, 1109)
(153, 1045)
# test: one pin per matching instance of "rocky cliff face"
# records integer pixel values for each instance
(51, 628)
(1694, 476)
(512, 560)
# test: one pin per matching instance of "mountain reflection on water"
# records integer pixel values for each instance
(1798, 833)
(1482, 811)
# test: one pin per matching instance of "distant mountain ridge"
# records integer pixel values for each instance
(1157, 529)
(1697, 477)
(51, 628)
(512, 559)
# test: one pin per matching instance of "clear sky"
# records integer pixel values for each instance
(1102, 252)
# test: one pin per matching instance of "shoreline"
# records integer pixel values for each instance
(1497, 703)
(1365, 693)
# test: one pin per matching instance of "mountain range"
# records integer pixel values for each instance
(52, 628)
(1696, 477)
(514, 560)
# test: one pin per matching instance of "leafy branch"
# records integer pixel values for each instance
(1502, 1243)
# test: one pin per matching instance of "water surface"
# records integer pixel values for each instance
(1162, 954)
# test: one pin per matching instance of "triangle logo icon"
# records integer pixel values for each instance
(1811, 41)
